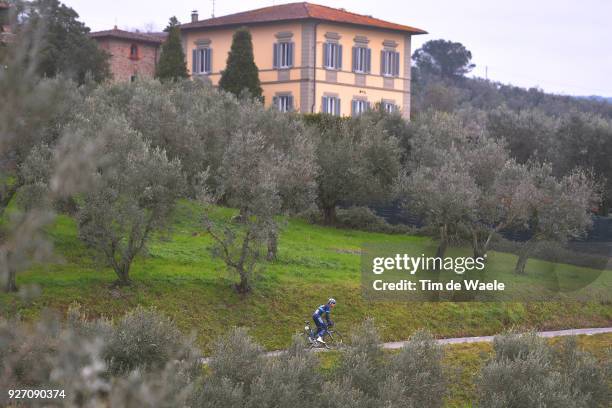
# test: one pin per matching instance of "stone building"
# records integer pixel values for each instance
(312, 58)
(133, 55)
(5, 28)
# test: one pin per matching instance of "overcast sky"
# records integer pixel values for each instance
(561, 46)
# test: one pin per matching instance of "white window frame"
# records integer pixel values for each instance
(389, 107)
(201, 62)
(331, 105)
(360, 65)
(284, 103)
(333, 55)
(360, 106)
(390, 63)
(285, 57)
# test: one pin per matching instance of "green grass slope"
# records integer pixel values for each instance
(181, 278)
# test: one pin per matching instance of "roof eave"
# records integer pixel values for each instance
(192, 26)
(120, 37)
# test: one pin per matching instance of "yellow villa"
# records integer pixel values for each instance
(311, 58)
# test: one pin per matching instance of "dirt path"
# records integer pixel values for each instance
(478, 339)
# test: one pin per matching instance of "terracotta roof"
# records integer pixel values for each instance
(300, 11)
(155, 38)
(3, 5)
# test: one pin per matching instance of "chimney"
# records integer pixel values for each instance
(194, 16)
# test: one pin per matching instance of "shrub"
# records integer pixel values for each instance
(340, 394)
(220, 392)
(525, 372)
(419, 373)
(362, 362)
(583, 375)
(360, 218)
(237, 358)
(288, 381)
(145, 340)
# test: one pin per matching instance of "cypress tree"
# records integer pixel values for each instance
(241, 72)
(172, 64)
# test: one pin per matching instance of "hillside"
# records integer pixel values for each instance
(181, 278)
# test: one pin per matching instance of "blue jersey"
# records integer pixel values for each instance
(322, 310)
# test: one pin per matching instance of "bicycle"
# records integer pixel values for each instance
(332, 337)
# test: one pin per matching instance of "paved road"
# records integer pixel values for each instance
(483, 339)
(478, 339)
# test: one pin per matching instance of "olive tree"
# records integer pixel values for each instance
(529, 133)
(437, 183)
(584, 141)
(358, 162)
(444, 196)
(133, 193)
(32, 120)
(558, 209)
(268, 168)
(250, 183)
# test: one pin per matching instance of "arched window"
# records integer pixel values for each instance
(134, 51)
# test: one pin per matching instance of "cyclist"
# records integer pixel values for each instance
(317, 316)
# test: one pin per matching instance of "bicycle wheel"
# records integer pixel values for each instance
(333, 338)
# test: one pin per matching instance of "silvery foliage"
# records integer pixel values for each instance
(146, 340)
(362, 364)
(529, 133)
(273, 173)
(526, 372)
(417, 374)
(241, 376)
(31, 122)
(461, 178)
(358, 161)
(195, 123)
(289, 380)
(133, 190)
(583, 140)
(436, 183)
(267, 169)
(77, 356)
(556, 209)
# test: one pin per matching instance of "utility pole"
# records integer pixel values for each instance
(213, 10)
(486, 72)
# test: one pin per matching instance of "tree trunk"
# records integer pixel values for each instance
(6, 198)
(480, 250)
(329, 215)
(604, 209)
(243, 286)
(11, 281)
(443, 242)
(123, 276)
(272, 246)
(523, 256)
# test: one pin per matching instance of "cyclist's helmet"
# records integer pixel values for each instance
(331, 301)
